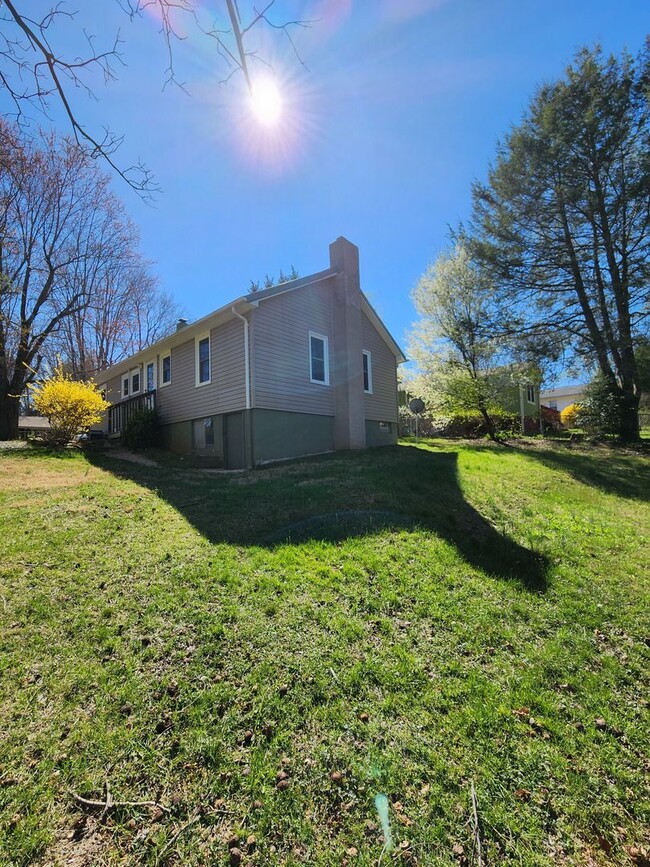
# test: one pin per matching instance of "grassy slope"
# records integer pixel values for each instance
(486, 608)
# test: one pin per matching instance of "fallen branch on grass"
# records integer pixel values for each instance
(110, 804)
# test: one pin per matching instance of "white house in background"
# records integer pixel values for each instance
(560, 398)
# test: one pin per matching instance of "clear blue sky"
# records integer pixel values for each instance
(400, 109)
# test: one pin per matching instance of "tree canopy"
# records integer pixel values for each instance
(63, 238)
(563, 221)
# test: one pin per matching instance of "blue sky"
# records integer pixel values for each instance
(400, 108)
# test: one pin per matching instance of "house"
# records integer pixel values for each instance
(560, 398)
(31, 426)
(304, 367)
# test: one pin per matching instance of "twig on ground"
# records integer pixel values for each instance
(476, 828)
(109, 804)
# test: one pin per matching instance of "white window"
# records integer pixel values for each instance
(530, 393)
(165, 369)
(125, 386)
(135, 380)
(367, 372)
(319, 365)
(202, 350)
(150, 376)
(552, 404)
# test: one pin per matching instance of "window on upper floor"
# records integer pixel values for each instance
(530, 393)
(318, 359)
(151, 375)
(125, 387)
(135, 381)
(367, 372)
(166, 369)
(203, 373)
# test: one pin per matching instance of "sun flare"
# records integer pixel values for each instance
(266, 101)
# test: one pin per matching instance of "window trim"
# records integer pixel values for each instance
(326, 358)
(163, 356)
(126, 384)
(197, 368)
(135, 371)
(530, 387)
(367, 354)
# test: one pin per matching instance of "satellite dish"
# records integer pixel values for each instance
(416, 405)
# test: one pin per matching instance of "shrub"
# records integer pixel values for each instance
(70, 406)
(551, 418)
(569, 415)
(599, 413)
(471, 425)
(141, 430)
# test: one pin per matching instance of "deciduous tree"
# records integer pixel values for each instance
(126, 312)
(453, 341)
(57, 228)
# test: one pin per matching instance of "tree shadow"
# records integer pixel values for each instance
(336, 497)
(604, 468)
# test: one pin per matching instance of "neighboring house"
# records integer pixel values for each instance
(560, 398)
(32, 425)
(522, 398)
(301, 368)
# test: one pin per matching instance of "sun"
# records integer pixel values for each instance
(266, 101)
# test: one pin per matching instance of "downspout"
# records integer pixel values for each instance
(247, 371)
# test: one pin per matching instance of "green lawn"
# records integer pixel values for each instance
(263, 654)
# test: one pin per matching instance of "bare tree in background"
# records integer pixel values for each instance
(35, 72)
(126, 312)
(58, 224)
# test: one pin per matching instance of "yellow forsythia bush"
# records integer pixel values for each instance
(70, 406)
(568, 415)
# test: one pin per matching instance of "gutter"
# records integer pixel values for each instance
(247, 370)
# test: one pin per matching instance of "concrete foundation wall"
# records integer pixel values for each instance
(278, 435)
(377, 435)
(177, 437)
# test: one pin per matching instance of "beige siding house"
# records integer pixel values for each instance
(301, 368)
(560, 398)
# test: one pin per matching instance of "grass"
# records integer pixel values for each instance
(264, 653)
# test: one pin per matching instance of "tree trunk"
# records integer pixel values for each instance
(9, 408)
(489, 424)
(629, 417)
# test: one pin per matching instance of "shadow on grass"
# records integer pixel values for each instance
(603, 468)
(337, 497)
